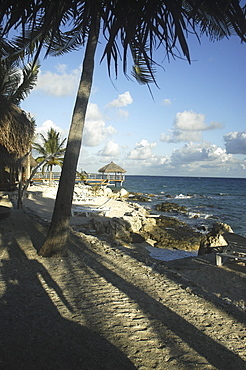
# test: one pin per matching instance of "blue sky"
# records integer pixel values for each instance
(194, 126)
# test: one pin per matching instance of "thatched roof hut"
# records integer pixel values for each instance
(32, 161)
(118, 178)
(111, 168)
(16, 133)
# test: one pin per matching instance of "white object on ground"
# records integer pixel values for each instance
(169, 254)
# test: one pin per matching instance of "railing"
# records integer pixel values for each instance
(90, 178)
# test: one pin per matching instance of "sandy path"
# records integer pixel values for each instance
(104, 307)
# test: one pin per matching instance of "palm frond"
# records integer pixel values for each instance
(29, 76)
(62, 26)
(52, 150)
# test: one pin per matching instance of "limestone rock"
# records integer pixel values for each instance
(98, 225)
(219, 228)
(136, 226)
(136, 238)
(107, 192)
(140, 197)
(214, 239)
(118, 229)
(134, 221)
(170, 207)
(171, 233)
(123, 193)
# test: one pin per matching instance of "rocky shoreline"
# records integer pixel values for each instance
(129, 222)
(139, 225)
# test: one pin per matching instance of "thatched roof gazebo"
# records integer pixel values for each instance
(113, 168)
(16, 133)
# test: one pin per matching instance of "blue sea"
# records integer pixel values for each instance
(208, 200)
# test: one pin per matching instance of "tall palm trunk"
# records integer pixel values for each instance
(55, 243)
(51, 176)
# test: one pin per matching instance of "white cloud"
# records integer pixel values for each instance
(153, 163)
(111, 149)
(203, 159)
(190, 121)
(142, 150)
(122, 101)
(123, 113)
(93, 112)
(204, 154)
(59, 84)
(187, 127)
(95, 131)
(167, 102)
(46, 126)
(86, 161)
(61, 68)
(235, 142)
(177, 136)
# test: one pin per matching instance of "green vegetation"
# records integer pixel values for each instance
(52, 151)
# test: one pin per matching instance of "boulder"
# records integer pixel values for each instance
(214, 239)
(119, 229)
(170, 207)
(171, 233)
(135, 227)
(135, 222)
(107, 192)
(140, 197)
(98, 225)
(136, 238)
(220, 228)
(123, 193)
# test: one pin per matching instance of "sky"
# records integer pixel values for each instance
(193, 124)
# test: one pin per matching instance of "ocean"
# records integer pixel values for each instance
(208, 200)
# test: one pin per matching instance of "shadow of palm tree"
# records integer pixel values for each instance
(37, 330)
(190, 273)
(164, 321)
(34, 334)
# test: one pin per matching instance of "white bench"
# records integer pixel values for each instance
(89, 211)
(236, 249)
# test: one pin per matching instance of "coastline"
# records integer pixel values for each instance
(207, 200)
(40, 201)
(110, 306)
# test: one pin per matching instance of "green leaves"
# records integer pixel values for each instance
(52, 150)
(16, 78)
(63, 26)
(27, 78)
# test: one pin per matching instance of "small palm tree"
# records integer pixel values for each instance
(16, 81)
(52, 151)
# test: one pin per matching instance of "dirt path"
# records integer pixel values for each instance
(108, 307)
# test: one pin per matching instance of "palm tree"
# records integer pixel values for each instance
(138, 26)
(52, 151)
(16, 82)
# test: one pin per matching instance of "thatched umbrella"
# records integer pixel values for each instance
(33, 163)
(113, 168)
(16, 133)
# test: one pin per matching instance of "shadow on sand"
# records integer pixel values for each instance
(34, 335)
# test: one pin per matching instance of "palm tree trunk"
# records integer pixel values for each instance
(28, 166)
(50, 179)
(55, 243)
